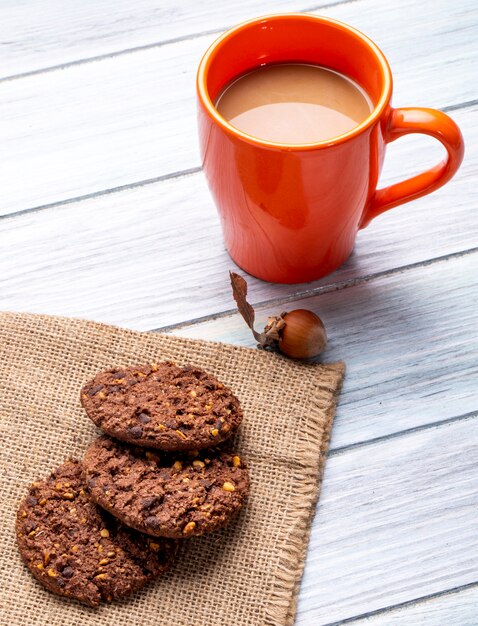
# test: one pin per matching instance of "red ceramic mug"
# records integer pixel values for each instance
(290, 213)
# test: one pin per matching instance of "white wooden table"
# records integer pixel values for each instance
(105, 215)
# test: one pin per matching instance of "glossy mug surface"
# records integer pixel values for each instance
(290, 212)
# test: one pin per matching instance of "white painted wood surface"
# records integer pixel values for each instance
(147, 254)
(395, 518)
(116, 121)
(403, 340)
(455, 608)
(97, 95)
(90, 29)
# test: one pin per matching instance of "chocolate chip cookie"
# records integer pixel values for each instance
(166, 495)
(161, 405)
(75, 549)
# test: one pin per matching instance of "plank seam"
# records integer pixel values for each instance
(158, 179)
(403, 433)
(407, 603)
(458, 106)
(104, 192)
(310, 293)
(149, 46)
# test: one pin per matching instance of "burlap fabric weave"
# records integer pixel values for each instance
(246, 575)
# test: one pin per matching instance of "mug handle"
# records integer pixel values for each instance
(401, 122)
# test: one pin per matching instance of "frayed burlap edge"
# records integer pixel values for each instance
(282, 605)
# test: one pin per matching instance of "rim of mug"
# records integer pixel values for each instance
(357, 130)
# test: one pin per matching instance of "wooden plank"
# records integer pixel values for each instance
(53, 32)
(409, 341)
(452, 609)
(396, 521)
(153, 256)
(128, 118)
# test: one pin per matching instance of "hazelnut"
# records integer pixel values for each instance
(303, 335)
(178, 466)
(214, 432)
(198, 464)
(104, 532)
(227, 486)
(299, 334)
(236, 461)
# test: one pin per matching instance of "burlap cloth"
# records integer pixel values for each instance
(246, 575)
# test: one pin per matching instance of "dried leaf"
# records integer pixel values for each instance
(239, 291)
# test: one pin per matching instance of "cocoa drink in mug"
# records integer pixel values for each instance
(294, 117)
